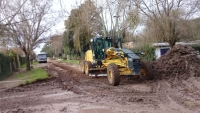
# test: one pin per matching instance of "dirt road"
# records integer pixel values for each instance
(69, 91)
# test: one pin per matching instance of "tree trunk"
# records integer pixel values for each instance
(172, 44)
(172, 41)
(28, 67)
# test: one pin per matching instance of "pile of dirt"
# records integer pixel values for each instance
(180, 62)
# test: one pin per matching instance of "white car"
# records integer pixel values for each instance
(42, 57)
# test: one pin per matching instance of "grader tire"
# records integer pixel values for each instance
(82, 66)
(88, 65)
(146, 72)
(113, 74)
(143, 73)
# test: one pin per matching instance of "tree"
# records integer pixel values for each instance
(29, 25)
(163, 17)
(79, 27)
(54, 46)
(8, 14)
(120, 17)
(190, 29)
(47, 48)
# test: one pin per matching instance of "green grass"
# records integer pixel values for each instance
(24, 65)
(33, 75)
(71, 61)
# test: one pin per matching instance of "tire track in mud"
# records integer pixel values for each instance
(186, 95)
(162, 90)
(174, 99)
(99, 91)
(131, 89)
(132, 95)
(157, 93)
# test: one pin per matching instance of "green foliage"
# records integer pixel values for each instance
(47, 48)
(196, 47)
(148, 50)
(64, 56)
(33, 75)
(79, 28)
(24, 65)
(68, 42)
(27, 82)
(22, 60)
(5, 62)
(11, 53)
(8, 64)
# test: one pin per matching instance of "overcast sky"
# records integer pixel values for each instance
(66, 6)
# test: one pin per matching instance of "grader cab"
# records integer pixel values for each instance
(107, 56)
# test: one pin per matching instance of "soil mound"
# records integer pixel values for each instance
(180, 62)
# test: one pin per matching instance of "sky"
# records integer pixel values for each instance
(66, 6)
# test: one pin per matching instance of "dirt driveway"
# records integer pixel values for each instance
(69, 91)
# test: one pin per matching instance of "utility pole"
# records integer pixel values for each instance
(103, 23)
(117, 23)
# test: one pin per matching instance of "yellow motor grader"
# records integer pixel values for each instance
(107, 56)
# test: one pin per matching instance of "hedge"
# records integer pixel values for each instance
(5, 69)
(8, 65)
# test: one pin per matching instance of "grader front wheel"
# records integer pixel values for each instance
(146, 73)
(143, 73)
(82, 67)
(113, 74)
(88, 65)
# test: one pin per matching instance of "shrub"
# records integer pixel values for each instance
(196, 47)
(148, 50)
(5, 65)
(8, 64)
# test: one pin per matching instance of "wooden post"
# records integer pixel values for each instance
(18, 62)
(11, 67)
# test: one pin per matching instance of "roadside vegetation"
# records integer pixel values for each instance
(138, 21)
(70, 61)
(145, 52)
(9, 63)
(24, 65)
(164, 21)
(32, 76)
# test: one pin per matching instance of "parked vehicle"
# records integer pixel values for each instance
(42, 57)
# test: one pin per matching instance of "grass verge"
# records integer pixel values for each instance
(24, 65)
(71, 61)
(33, 75)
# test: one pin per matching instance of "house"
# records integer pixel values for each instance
(162, 48)
(127, 45)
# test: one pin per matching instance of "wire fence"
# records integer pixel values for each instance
(9, 64)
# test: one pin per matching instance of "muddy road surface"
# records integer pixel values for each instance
(69, 91)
